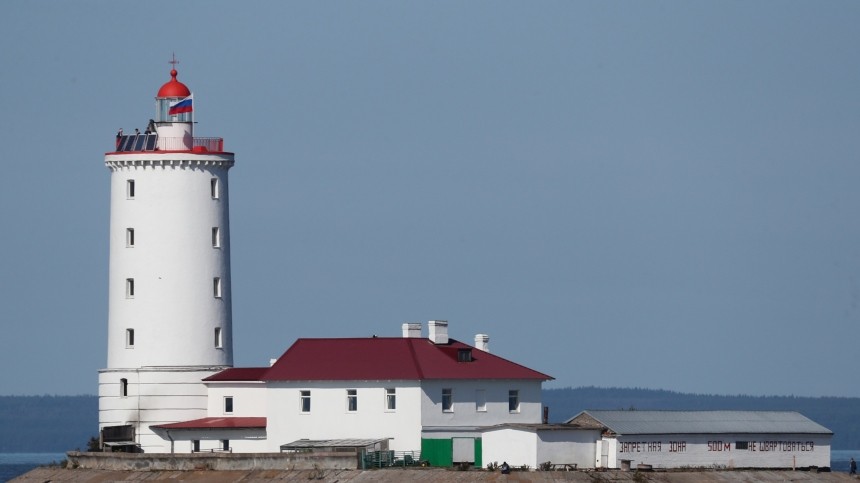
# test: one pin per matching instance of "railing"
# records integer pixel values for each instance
(388, 459)
(151, 142)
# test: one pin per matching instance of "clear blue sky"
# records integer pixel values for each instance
(654, 194)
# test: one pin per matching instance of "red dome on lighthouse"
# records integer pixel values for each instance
(173, 88)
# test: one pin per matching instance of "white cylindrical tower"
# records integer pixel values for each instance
(169, 306)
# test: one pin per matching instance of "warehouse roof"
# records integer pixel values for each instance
(702, 422)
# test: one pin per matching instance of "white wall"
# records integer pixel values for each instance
(329, 418)
(249, 398)
(516, 447)
(240, 440)
(464, 409)
(173, 263)
(673, 451)
(155, 396)
(567, 447)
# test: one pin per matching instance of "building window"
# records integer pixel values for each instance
(228, 404)
(216, 287)
(447, 400)
(129, 189)
(352, 400)
(214, 188)
(225, 444)
(306, 401)
(129, 288)
(129, 338)
(481, 400)
(464, 355)
(218, 341)
(514, 401)
(123, 387)
(129, 237)
(216, 237)
(195, 446)
(742, 445)
(390, 399)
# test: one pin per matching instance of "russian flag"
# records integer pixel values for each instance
(185, 105)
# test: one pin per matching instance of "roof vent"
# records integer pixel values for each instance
(272, 362)
(438, 331)
(411, 330)
(482, 342)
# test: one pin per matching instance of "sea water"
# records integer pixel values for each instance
(839, 459)
(16, 464)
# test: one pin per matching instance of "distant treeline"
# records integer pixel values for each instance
(47, 424)
(838, 414)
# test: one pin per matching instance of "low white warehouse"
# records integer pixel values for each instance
(720, 439)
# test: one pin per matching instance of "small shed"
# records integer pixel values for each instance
(708, 439)
(558, 446)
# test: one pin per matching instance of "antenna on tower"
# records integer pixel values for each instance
(173, 60)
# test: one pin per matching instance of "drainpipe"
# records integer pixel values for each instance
(171, 441)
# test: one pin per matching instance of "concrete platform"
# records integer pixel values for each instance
(397, 475)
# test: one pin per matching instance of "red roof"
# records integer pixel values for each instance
(173, 88)
(217, 423)
(384, 358)
(239, 374)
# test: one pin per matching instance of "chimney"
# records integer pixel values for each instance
(272, 362)
(411, 330)
(438, 331)
(482, 342)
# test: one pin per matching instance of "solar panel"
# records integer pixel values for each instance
(127, 141)
(150, 142)
(139, 142)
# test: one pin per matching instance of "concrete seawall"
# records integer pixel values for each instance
(212, 461)
(434, 475)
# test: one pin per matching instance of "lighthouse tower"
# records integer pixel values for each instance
(169, 308)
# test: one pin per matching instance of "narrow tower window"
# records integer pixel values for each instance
(129, 288)
(123, 387)
(228, 404)
(129, 189)
(129, 338)
(214, 188)
(216, 237)
(216, 287)
(129, 237)
(218, 342)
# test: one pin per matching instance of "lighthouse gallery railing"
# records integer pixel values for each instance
(151, 141)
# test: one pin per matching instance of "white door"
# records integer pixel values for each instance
(604, 454)
(464, 450)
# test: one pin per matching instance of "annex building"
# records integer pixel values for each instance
(719, 439)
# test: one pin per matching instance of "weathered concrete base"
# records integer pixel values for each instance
(433, 475)
(212, 461)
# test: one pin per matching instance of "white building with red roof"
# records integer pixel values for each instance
(430, 394)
